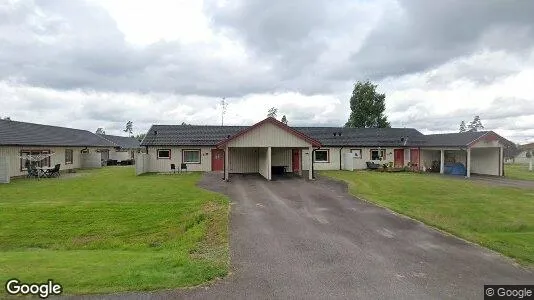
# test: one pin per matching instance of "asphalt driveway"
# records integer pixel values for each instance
(293, 238)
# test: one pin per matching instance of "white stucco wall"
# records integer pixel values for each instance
(164, 164)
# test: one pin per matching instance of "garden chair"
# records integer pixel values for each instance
(183, 167)
(173, 168)
(32, 170)
(53, 172)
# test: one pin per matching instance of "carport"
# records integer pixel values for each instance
(481, 155)
(267, 147)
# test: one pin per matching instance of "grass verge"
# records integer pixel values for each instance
(518, 171)
(108, 231)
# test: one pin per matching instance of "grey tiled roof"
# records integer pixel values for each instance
(188, 135)
(125, 142)
(191, 135)
(453, 139)
(382, 137)
(30, 134)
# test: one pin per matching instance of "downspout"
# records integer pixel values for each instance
(340, 157)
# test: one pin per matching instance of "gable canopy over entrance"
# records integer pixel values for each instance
(269, 133)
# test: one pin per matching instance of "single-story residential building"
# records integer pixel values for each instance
(125, 149)
(71, 148)
(521, 155)
(271, 146)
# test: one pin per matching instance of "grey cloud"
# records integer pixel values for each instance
(84, 49)
(426, 34)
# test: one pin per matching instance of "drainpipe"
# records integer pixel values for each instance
(340, 158)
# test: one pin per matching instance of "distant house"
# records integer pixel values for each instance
(521, 156)
(71, 148)
(124, 150)
(270, 146)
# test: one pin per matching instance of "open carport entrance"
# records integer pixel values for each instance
(269, 162)
(268, 147)
(473, 160)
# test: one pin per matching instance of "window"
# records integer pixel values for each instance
(68, 156)
(191, 156)
(42, 163)
(356, 152)
(378, 154)
(164, 153)
(321, 156)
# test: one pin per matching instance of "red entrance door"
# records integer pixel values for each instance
(296, 160)
(217, 159)
(414, 158)
(399, 158)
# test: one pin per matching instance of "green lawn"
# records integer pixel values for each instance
(107, 230)
(518, 171)
(499, 218)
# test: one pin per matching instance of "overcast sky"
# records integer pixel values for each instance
(99, 63)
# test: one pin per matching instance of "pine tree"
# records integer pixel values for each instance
(463, 127)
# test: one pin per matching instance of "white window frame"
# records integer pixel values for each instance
(163, 157)
(67, 162)
(358, 151)
(380, 151)
(191, 150)
(321, 161)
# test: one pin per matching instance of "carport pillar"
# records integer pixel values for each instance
(310, 168)
(442, 161)
(468, 163)
(226, 166)
(269, 164)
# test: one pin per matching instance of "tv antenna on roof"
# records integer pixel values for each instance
(224, 104)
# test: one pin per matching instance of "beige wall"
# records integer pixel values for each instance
(485, 161)
(264, 168)
(268, 135)
(359, 163)
(4, 170)
(282, 157)
(243, 160)
(13, 152)
(164, 165)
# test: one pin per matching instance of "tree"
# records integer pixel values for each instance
(272, 112)
(284, 119)
(100, 130)
(463, 128)
(140, 136)
(367, 107)
(129, 128)
(476, 124)
(184, 123)
(6, 118)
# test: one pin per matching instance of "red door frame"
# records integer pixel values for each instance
(415, 157)
(295, 163)
(398, 158)
(217, 159)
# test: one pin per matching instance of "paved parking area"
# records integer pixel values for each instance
(294, 238)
